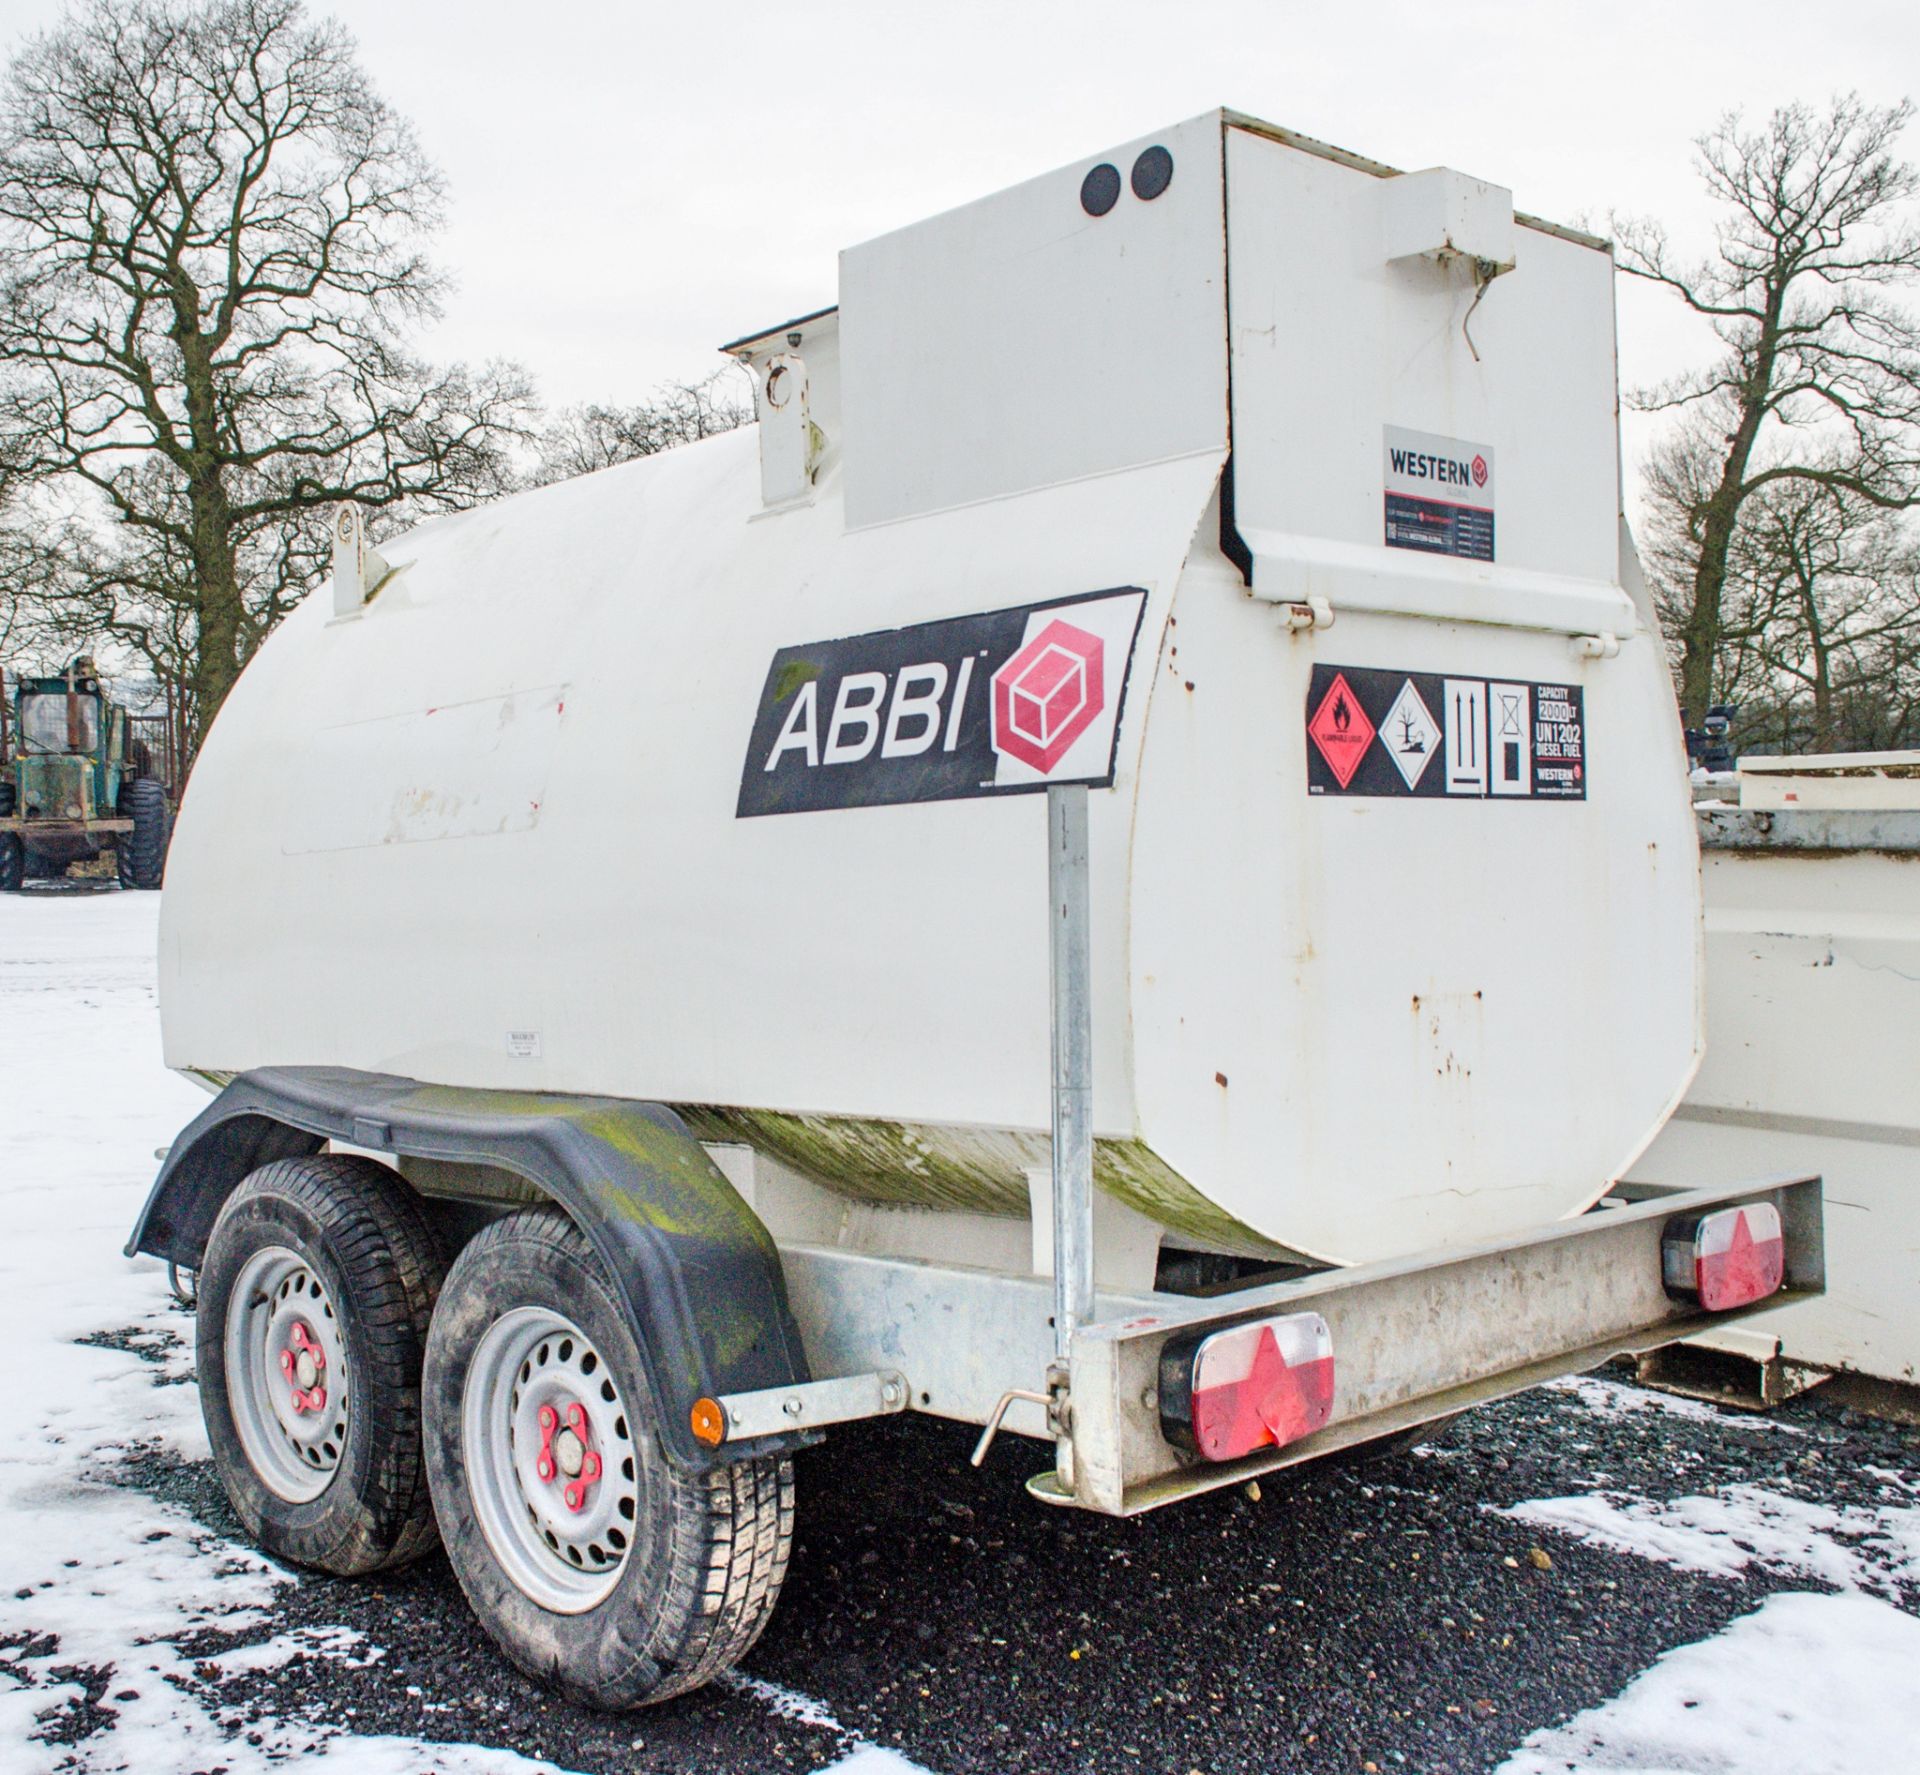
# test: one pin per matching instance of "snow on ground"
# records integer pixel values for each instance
(97, 1581)
(1805, 1685)
(1613, 1400)
(103, 1588)
(1872, 1549)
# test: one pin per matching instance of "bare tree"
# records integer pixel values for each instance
(1817, 381)
(212, 231)
(1677, 487)
(580, 440)
(1819, 616)
(36, 578)
(1831, 582)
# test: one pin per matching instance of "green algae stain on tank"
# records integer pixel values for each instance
(907, 1164)
(889, 1162)
(793, 674)
(1134, 1173)
(974, 1170)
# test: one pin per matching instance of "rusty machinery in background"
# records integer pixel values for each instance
(80, 775)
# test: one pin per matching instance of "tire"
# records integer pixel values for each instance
(140, 856)
(678, 1572)
(332, 1253)
(13, 855)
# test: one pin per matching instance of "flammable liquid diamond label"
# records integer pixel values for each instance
(1341, 729)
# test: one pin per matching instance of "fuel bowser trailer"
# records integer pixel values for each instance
(1119, 868)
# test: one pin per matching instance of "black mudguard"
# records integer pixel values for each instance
(697, 1270)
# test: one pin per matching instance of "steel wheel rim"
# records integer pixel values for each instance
(564, 1550)
(287, 1374)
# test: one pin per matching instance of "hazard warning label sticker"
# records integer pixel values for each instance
(1411, 735)
(1429, 734)
(1340, 729)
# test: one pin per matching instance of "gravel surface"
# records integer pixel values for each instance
(1348, 1618)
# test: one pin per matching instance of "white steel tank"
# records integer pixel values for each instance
(705, 779)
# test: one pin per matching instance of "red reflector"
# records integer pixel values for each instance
(1727, 1259)
(1262, 1385)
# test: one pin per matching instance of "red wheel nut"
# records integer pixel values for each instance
(590, 1468)
(549, 1422)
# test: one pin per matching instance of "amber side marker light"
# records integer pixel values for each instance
(709, 1420)
(1730, 1258)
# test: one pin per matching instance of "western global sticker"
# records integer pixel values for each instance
(1441, 736)
(1438, 494)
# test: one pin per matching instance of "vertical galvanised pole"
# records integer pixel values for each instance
(1067, 882)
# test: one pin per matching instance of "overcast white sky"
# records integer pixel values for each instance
(634, 183)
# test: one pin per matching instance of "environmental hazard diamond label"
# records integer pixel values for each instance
(1410, 735)
(1340, 728)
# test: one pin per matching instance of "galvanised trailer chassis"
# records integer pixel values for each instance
(845, 1334)
(1416, 1339)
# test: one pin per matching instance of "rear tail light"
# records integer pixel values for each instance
(1723, 1260)
(1260, 1385)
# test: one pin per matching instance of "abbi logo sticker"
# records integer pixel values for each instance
(997, 703)
(1048, 695)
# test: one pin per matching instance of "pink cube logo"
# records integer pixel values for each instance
(1048, 695)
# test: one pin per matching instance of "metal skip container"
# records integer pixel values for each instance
(1271, 494)
(1813, 981)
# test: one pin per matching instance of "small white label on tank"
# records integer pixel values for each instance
(523, 1044)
